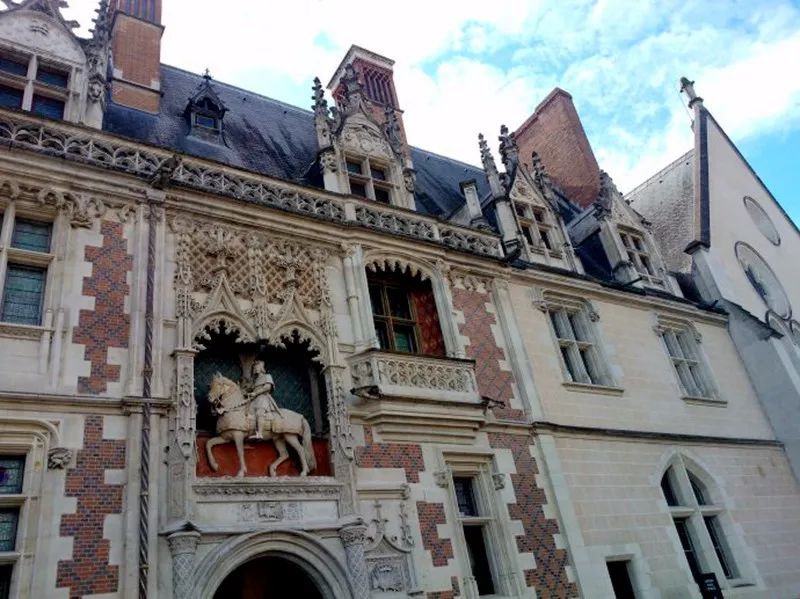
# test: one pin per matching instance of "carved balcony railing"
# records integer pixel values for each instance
(89, 146)
(391, 374)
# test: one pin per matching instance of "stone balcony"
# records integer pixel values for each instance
(411, 397)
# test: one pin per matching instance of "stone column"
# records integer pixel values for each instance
(352, 537)
(183, 546)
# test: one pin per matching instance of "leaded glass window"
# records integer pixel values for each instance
(12, 469)
(31, 235)
(9, 518)
(23, 294)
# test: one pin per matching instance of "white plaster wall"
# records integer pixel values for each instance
(729, 181)
(619, 509)
(651, 399)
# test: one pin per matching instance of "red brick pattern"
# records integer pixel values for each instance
(107, 325)
(430, 516)
(478, 322)
(390, 455)
(554, 131)
(432, 341)
(88, 572)
(549, 578)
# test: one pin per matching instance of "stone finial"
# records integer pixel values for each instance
(320, 103)
(687, 87)
(490, 168)
(540, 176)
(101, 31)
(509, 153)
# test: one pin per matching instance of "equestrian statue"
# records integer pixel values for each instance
(253, 414)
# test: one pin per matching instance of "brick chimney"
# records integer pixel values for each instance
(136, 54)
(376, 74)
(554, 131)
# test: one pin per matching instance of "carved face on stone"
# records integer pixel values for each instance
(259, 368)
(97, 88)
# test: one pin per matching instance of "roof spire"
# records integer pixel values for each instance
(687, 87)
(490, 167)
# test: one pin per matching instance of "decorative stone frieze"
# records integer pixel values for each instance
(81, 145)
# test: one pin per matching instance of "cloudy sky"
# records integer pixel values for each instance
(469, 66)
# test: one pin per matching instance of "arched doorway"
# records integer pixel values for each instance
(268, 577)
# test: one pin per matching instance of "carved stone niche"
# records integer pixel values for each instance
(259, 378)
(390, 569)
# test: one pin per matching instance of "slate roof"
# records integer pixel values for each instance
(273, 138)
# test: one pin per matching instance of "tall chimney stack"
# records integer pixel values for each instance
(136, 54)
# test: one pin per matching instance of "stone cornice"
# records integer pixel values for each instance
(563, 430)
(54, 402)
(87, 146)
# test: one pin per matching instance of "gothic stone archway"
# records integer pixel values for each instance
(267, 577)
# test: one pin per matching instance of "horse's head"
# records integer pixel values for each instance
(219, 390)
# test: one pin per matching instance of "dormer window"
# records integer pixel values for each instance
(639, 255)
(539, 233)
(205, 112)
(369, 179)
(28, 84)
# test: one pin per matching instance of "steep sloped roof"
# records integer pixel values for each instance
(272, 138)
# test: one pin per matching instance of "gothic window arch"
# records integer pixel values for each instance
(701, 521)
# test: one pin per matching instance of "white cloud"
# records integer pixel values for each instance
(468, 67)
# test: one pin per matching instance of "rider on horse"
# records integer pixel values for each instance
(261, 401)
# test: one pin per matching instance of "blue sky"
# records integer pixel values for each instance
(464, 70)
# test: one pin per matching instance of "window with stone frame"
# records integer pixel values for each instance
(12, 502)
(404, 313)
(573, 323)
(24, 260)
(698, 519)
(481, 542)
(537, 228)
(639, 254)
(682, 343)
(369, 178)
(28, 82)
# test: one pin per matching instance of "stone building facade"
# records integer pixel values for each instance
(484, 386)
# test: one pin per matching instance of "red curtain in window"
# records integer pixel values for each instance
(431, 341)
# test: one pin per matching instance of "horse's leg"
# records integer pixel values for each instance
(294, 441)
(238, 438)
(283, 455)
(210, 444)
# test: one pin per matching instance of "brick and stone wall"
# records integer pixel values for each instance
(107, 325)
(90, 572)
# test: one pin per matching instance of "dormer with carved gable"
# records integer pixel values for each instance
(46, 69)
(633, 255)
(362, 145)
(526, 206)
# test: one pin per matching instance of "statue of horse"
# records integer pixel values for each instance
(235, 423)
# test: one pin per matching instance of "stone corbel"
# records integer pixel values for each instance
(499, 481)
(58, 458)
(442, 478)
